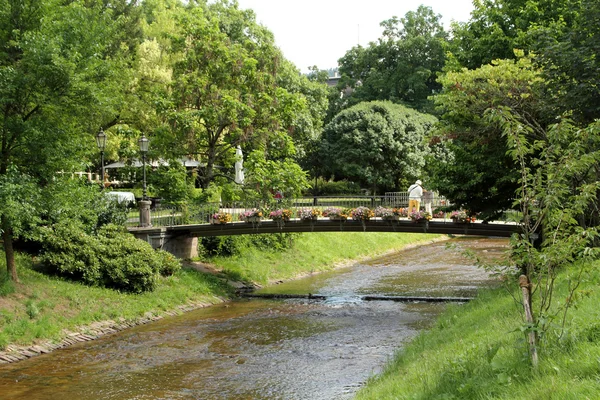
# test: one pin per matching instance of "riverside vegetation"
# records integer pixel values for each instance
(43, 306)
(474, 351)
(479, 351)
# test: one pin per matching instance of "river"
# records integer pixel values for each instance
(265, 349)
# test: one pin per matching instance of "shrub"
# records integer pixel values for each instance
(169, 264)
(227, 246)
(231, 192)
(171, 182)
(70, 199)
(70, 251)
(273, 242)
(110, 211)
(113, 258)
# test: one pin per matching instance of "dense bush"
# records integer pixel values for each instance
(335, 188)
(78, 200)
(111, 258)
(226, 246)
(171, 183)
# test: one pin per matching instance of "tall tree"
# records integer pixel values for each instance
(570, 56)
(226, 89)
(377, 144)
(60, 75)
(481, 177)
(497, 27)
(402, 65)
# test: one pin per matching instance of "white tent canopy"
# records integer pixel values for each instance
(187, 162)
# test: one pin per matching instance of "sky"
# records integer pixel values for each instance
(319, 32)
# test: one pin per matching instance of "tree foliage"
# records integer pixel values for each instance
(267, 176)
(557, 189)
(402, 65)
(231, 86)
(497, 27)
(60, 74)
(481, 177)
(568, 51)
(378, 144)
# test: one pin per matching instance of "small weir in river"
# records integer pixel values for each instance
(294, 348)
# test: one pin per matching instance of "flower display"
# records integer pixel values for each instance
(385, 213)
(420, 216)
(401, 212)
(438, 214)
(281, 214)
(336, 213)
(220, 218)
(390, 213)
(362, 214)
(308, 214)
(461, 216)
(251, 215)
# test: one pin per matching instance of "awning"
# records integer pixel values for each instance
(187, 162)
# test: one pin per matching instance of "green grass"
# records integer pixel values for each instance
(42, 306)
(313, 252)
(476, 351)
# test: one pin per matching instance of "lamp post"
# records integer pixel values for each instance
(143, 142)
(101, 142)
(144, 204)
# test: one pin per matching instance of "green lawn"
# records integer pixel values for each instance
(477, 351)
(314, 252)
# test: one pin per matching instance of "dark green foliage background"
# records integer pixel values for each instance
(213, 246)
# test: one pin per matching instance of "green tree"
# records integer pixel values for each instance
(481, 177)
(378, 144)
(402, 65)
(557, 187)
(227, 89)
(497, 27)
(568, 52)
(60, 75)
(267, 175)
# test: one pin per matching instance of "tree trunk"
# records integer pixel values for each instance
(526, 289)
(11, 268)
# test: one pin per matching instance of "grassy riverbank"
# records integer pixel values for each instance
(313, 253)
(42, 308)
(477, 351)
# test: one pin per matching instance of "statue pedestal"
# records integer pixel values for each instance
(144, 206)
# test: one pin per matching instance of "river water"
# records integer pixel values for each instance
(265, 349)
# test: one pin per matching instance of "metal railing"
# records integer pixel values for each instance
(169, 215)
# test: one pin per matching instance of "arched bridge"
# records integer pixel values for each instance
(181, 240)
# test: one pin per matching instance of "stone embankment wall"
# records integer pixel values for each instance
(14, 353)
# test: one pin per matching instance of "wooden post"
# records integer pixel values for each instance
(526, 289)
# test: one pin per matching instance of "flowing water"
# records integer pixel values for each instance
(265, 349)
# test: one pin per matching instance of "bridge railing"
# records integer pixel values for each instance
(201, 213)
